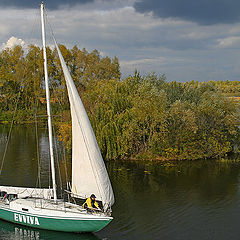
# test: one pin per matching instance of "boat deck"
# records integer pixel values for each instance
(49, 207)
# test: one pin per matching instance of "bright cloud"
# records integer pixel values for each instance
(229, 42)
(12, 42)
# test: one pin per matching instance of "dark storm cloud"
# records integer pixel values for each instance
(204, 12)
(50, 4)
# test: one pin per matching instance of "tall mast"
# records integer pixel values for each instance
(48, 102)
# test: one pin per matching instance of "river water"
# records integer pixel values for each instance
(154, 200)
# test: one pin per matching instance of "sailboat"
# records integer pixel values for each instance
(40, 208)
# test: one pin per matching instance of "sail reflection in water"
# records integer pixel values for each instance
(10, 231)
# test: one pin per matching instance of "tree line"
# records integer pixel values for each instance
(140, 117)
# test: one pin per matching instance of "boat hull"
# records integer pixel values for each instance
(65, 224)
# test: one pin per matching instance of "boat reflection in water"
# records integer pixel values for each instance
(17, 232)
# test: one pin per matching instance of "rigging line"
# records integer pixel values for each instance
(38, 182)
(96, 174)
(10, 131)
(55, 138)
(100, 190)
(55, 92)
(50, 28)
(49, 164)
(65, 163)
(14, 114)
(38, 155)
(15, 110)
(48, 23)
(57, 159)
(88, 151)
(48, 170)
(46, 18)
(35, 25)
(64, 152)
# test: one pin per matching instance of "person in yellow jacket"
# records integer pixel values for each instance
(91, 204)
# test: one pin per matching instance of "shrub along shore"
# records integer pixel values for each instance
(138, 117)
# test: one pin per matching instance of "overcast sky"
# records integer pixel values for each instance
(186, 40)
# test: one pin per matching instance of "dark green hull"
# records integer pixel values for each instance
(66, 224)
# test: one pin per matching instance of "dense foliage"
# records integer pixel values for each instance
(24, 72)
(146, 117)
(228, 88)
(142, 117)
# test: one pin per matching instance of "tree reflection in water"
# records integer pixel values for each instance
(162, 199)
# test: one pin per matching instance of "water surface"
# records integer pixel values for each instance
(154, 200)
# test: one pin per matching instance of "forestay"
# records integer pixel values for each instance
(89, 174)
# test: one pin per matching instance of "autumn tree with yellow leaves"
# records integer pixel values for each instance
(138, 117)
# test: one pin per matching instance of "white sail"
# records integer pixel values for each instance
(89, 174)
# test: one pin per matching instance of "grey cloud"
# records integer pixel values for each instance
(50, 4)
(182, 50)
(203, 12)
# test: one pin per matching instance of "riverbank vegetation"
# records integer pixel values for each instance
(140, 117)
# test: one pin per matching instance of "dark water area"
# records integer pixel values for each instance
(154, 200)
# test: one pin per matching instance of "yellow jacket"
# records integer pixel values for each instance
(88, 203)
